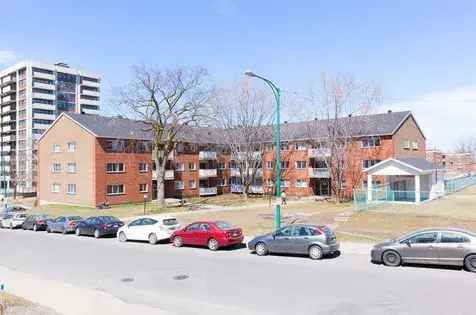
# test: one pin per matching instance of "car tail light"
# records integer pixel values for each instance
(41, 222)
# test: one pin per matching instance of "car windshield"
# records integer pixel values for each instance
(75, 218)
(222, 225)
(43, 216)
(171, 221)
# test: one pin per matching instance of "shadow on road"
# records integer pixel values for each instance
(325, 257)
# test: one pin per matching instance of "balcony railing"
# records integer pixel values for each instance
(253, 189)
(234, 172)
(207, 191)
(169, 174)
(90, 83)
(207, 172)
(319, 173)
(318, 153)
(45, 86)
(42, 75)
(207, 155)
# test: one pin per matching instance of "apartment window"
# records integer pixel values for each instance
(71, 167)
(192, 167)
(56, 148)
(192, 184)
(179, 185)
(406, 144)
(369, 163)
(284, 183)
(371, 142)
(269, 182)
(300, 146)
(115, 168)
(71, 146)
(285, 145)
(179, 166)
(71, 189)
(56, 168)
(269, 165)
(301, 183)
(300, 165)
(143, 168)
(415, 145)
(221, 182)
(284, 165)
(221, 165)
(143, 188)
(117, 189)
(55, 188)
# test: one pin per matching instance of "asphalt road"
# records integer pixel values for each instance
(197, 281)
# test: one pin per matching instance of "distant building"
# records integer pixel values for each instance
(32, 96)
(88, 159)
(454, 163)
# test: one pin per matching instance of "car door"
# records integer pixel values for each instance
(91, 226)
(282, 241)
(452, 247)
(145, 228)
(188, 235)
(300, 240)
(58, 224)
(133, 229)
(420, 248)
(203, 234)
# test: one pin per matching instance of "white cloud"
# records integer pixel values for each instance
(444, 116)
(6, 56)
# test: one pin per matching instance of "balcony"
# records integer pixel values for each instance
(203, 173)
(90, 111)
(319, 173)
(90, 93)
(207, 155)
(253, 189)
(244, 155)
(90, 83)
(318, 153)
(43, 106)
(44, 96)
(208, 191)
(8, 98)
(8, 89)
(41, 75)
(44, 116)
(234, 172)
(169, 175)
(6, 129)
(9, 79)
(40, 126)
(89, 102)
(45, 86)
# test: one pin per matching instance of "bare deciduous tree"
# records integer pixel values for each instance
(244, 115)
(167, 101)
(467, 145)
(342, 105)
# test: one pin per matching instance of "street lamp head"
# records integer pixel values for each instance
(250, 73)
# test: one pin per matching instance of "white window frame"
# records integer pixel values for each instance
(269, 165)
(179, 185)
(146, 167)
(71, 192)
(69, 169)
(300, 146)
(116, 193)
(301, 162)
(284, 183)
(72, 145)
(56, 148)
(180, 167)
(53, 168)
(194, 186)
(371, 142)
(406, 145)
(303, 185)
(194, 168)
(146, 188)
(114, 171)
(415, 145)
(55, 188)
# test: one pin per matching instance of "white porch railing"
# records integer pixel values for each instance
(207, 191)
(207, 155)
(319, 173)
(207, 172)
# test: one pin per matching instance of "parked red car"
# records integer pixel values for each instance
(213, 234)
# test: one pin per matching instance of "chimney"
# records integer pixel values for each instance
(350, 115)
(389, 111)
(285, 121)
(315, 118)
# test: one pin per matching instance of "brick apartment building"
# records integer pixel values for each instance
(88, 159)
(454, 163)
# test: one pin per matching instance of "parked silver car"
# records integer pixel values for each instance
(447, 246)
(315, 241)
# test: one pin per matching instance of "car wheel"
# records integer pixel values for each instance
(11, 226)
(315, 252)
(48, 230)
(391, 258)
(213, 244)
(153, 239)
(122, 237)
(78, 232)
(96, 233)
(35, 227)
(470, 263)
(178, 242)
(64, 231)
(261, 249)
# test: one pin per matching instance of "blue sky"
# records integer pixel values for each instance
(421, 53)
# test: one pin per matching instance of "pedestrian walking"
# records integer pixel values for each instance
(283, 198)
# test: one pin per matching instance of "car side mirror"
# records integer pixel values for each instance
(408, 243)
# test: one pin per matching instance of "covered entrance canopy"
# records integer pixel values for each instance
(406, 180)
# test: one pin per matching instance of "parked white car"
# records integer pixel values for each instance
(148, 229)
(15, 221)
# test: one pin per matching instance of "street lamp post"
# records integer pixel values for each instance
(277, 138)
(145, 202)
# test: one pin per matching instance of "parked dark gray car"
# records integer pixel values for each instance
(446, 246)
(313, 240)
